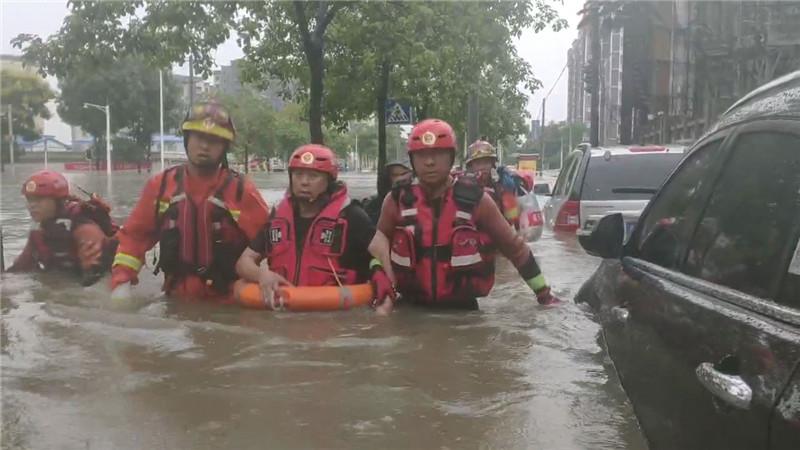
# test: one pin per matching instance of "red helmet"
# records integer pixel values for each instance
(431, 133)
(46, 183)
(315, 157)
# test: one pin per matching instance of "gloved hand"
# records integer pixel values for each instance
(545, 297)
(381, 287)
(123, 275)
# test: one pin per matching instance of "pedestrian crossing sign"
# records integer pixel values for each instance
(397, 113)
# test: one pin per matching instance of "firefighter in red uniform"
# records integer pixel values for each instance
(73, 235)
(444, 234)
(481, 162)
(202, 215)
(316, 236)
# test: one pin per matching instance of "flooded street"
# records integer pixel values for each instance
(79, 372)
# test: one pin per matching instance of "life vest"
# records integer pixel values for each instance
(203, 240)
(504, 198)
(441, 257)
(318, 263)
(53, 243)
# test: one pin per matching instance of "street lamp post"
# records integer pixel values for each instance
(10, 137)
(161, 114)
(106, 109)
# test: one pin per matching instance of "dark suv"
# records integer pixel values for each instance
(700, 308)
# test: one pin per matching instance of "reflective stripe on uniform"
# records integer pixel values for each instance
(234, 212)
(403, 261)
(178, 198)
(124, 259)
(537, 283)
(162, 206)
(465, 260)
(217, 202)
(463, 215)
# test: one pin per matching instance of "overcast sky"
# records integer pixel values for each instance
(546, 51)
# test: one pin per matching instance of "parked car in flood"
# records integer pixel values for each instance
(599, 181)
(700, 308)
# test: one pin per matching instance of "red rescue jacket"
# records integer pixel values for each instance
(200, 239)
(52, 246)
(323, 245)
(441, 256)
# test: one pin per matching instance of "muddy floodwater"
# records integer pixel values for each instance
(81, 372)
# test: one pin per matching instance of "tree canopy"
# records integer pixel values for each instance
(131, 89)
(27, 94)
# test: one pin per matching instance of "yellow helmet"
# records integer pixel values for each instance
(210, 118)
(480, 149)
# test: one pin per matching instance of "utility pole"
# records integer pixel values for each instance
(570, 137)
(10, 137)
(106, 109)
(191, 82)
(594, 75)
(544, 102)
(108, 139)
(473, 117)
(161, 114)
(561, 151)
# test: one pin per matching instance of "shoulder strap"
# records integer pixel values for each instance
(467, 192)
(403, 194)
(178, 170)
(239, 186)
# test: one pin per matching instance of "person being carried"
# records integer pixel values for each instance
(444, 233)
(201, 214)
(73, 235)
(504, 190)
(316, 236)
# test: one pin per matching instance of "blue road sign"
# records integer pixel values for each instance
(397, 113)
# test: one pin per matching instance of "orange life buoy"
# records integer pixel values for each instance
(306, 298)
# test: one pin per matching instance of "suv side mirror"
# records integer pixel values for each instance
(541, 189)
(605, 240)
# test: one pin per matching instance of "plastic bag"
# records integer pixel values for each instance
(530, 221)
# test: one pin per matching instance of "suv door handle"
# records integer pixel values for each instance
(731, 389)
(620, 314)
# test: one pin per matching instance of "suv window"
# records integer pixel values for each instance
(790, 290)
(627, 177)
(742, 237)
(564, 179)
(665, 231)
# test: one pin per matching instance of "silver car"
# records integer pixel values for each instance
(596, 182)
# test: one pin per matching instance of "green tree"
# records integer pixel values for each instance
(131, 89)
(96, 34)
(557, 139)
(255, 125)
(430, 54)
(287, 40)
(27, 94)
(433, 55)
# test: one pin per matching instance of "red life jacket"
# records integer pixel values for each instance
(53, 243)
(204, 239)
(323, 245)
(441, 257)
